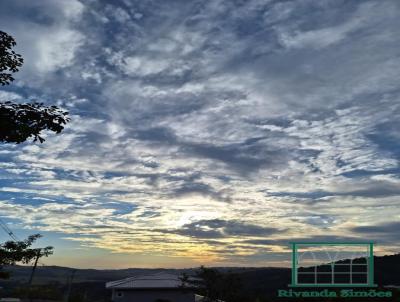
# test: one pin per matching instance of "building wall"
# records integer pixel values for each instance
(152, 296)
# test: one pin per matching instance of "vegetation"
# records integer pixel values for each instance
(19, 122)
(215, 285)
(12, 252)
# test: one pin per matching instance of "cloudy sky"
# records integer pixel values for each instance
(205, 132)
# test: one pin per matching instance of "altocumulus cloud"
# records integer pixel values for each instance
(216, 130)
(217, 228)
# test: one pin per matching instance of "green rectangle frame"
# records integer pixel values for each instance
(370, 275)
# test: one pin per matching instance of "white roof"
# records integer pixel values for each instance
(198, 298)
(160, 280)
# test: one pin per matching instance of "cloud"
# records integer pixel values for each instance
(213, 130)
(45, 35)
(57, 50)
(378, 229)
(217, 228)
(386, 233)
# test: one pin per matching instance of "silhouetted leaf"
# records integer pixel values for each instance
(18, 122)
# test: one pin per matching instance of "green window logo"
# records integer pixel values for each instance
(332, 264)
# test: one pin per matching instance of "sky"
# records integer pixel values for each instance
(205, 132)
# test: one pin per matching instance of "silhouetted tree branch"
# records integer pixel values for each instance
(18, 122)
(12, 252)
(9, 60)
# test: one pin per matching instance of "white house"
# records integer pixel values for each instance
(161, 287)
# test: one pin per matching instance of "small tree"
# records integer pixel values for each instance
(12, 252)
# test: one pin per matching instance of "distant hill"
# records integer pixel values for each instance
(387, 271)
(45, 274)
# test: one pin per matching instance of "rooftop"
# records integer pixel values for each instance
(159, 280)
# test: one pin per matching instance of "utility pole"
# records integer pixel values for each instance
(34, 266)
(33, 272)
(66, 299)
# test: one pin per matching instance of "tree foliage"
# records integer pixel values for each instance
(9, 60)
(12, 252)
(214, 285)
(18, 122)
